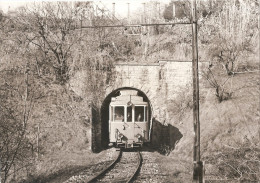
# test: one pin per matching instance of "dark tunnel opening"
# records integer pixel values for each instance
(105, 113)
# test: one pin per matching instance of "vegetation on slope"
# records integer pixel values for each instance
(229, 132)
(44, 123)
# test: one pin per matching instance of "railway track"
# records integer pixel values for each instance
(151, 170)
(124, 169)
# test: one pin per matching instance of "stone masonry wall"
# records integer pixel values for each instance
(159, 81)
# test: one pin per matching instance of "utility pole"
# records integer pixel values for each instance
(155, 13)
(173, 10)
(159, 11)
(144, 12)
(38, 134)
(0, 171)
(114, 9)
(128, 12)
(198, 166)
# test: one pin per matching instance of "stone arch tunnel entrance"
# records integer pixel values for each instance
(156, 82)
(104, 113)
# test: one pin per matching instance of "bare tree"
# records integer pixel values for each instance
(220, 85)
(18, 92)
(50, 28)
(17, 103)
(231, 32)
(227, 52)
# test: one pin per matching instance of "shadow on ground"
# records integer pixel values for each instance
(163, 138)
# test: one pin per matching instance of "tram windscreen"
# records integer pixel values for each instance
(139, 113)
(119, 113)
(129, 114)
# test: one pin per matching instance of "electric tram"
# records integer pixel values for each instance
(128, 120)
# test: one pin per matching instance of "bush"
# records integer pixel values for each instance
(237, 163)
(216, 80)
(182, 102)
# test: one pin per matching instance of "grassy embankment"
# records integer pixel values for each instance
(230, 134)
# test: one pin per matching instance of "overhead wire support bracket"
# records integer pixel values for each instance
(134, 25)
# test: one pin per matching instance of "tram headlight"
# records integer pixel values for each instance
(129, 104)
(120, 135)
(139, 136)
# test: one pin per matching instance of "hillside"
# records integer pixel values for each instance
(45, 125)
(230, 141)
(229, 135)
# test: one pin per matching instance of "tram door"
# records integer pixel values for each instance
(141, 122)
(129, 126)
(121, 120)
(137, 123)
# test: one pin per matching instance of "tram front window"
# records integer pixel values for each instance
(139, 113)
(119, 114)
(129, 114)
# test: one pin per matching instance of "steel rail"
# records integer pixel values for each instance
(103, 172)
(132, 178)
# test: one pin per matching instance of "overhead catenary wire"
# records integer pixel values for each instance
(135, 25)
(113, 20)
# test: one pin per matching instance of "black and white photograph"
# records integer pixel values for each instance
(129, 91)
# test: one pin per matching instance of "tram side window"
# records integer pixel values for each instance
(111, 113)
(119, 114)
(129, 114)
(139, 113)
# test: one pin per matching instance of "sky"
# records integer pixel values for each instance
(120, 5)
(5, 5)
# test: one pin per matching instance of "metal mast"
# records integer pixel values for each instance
(198, 167)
